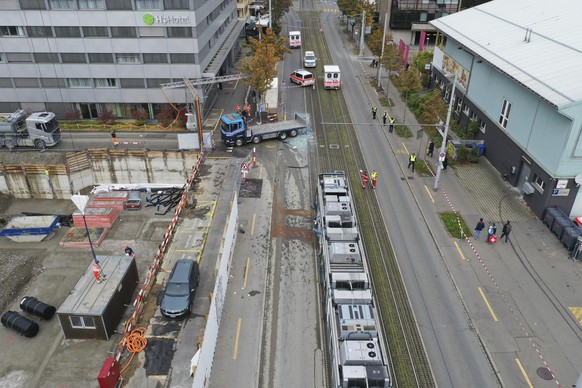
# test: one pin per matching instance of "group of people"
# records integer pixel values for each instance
(365, 179)
(492, 231)
(385, 118)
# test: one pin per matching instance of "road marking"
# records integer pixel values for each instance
(429, 193)
(246, 276)
(577, 312)
(253, 224)
(235, 353)
(488, 305)
(261, 172)
(529, 384)
(460, 252)
(8, 340)
(405, 149)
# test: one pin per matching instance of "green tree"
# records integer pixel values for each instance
(433, 109)
(391, 59)
(375, 41)
(278, 8)
(352, 8)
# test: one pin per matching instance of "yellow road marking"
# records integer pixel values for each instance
(260, 172)
(253, 224)
(429, 193)
(460, 252)
(247, 272)
(488, 305)
(187, 250)
(577, 313)
(235, 352)
(529, 384)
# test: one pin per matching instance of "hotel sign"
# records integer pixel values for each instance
(150, 19)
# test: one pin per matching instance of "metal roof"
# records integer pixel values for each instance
(535, 42)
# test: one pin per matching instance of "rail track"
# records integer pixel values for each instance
(338, 149)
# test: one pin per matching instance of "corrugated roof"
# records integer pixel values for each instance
(548, 60)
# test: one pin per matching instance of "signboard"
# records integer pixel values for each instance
(560, 192)
(442, 157)
(244, 167)
(562, 184)
(419, 133)
(150, 19)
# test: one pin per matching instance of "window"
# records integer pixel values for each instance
(152, 32)
(539, 182)
(148, 4)
(73, 58)
(127, 58)
(25, 83)
(46, 57)
(466, 110)
(62, 4)
(504, 116)
(67, 32)
(32, 4)
(182, 58)
(52, 83)
(179, 32)
(3, 58)
(123, 32)
(19, 57)
(35, 31)
(132, 83)
(176, 4)
(118, 4)
(12, 31)
(459, 104)
(482, 126)
(93, 31)
(105, 83)
(473, 116)
(155, 58)
(91, 4)
(79, 82)
(155, 83)
(79, 322)
(5, 83)
(100, 58)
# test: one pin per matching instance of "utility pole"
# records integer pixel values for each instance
(270, 16)
(383, 43)
(362, 33)
(444, 143)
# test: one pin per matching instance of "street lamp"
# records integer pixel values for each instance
(81, 202)
(442, 152)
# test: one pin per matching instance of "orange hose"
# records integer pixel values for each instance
(136, 342)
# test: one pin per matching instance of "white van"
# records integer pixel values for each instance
(295, 39)
(302, 77)
(309, 59)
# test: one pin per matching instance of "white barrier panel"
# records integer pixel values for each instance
(206, 353)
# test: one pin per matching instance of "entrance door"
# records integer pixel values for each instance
(523, 176)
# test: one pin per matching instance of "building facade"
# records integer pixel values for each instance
(89, 56)
(517, 68)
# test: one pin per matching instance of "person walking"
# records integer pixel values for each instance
(445, 163)
(374, 111)
(412, 161)
(430, 148)
(505, 231)
(385, 117)
(479, 228)
(114, 138)
(128, 251)
(491, 231)
(374, 177)
(364, 179)
(391, 128)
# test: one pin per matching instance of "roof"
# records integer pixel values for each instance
(547, 60)
(327, 68)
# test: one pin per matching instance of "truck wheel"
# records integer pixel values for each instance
(39, 144)
(283, 135)
(10, 144)
(293, 133)
(256, 139)
(238, 142)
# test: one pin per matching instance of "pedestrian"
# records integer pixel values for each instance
(505, 231)
(238, 109)
(385, 117)
(114, 138)
(374, 111)
(445, 163)
(430, 148)
(374, 177)
(364, 179)
(128, 251)
(373, 63)
(491, 231)
(412, 161)
(391, 128)
(479, 228)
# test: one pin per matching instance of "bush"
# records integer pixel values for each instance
(140, 116)
(455, 225)
(107, 117)
(166, 116)
(73, 115)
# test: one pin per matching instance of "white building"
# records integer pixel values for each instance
(96, 55)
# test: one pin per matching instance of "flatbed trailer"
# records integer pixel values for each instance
(235, 131)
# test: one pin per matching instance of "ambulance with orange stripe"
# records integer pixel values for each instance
(302, 77)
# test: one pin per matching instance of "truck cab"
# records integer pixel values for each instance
(233, 128)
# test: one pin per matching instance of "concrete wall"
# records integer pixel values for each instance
(85, 169)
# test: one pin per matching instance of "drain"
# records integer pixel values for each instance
(545, 374)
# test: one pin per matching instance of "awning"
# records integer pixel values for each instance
(423, 27)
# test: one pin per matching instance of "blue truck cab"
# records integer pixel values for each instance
(232, 127)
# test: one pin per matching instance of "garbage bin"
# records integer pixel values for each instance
(481, 149)
(551, 214)
(577, 251)
(570, 236)
(560, 223)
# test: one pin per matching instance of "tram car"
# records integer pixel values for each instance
(354, 337)
(331, 77)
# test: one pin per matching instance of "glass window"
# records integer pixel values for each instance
(91, 4)
(5, 83)
(32, 4)
(155, 58)
(182, 58)
(12, 31)
(52, 83)
(73, 58)
(46, 57)
(123, 32)
(3, 58)
(25, 83)
(176, 4)
(35, 31)
(127, 58)
(80, 322)
(155, 83)
(504, 116)
(132, 83)
(91, 31)
(79, 82)
(67, 32)
(539, 182)
(152, 32)
(179, 32)
(148, 4)
(100, 58)
(62, 4)
(105, 83)
(118, 4)
(18, 57)
(482, 126)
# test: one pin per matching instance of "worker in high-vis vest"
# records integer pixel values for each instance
(374, 111)
(412, 161)
(374, 178)
(391, 127)
(384, 117)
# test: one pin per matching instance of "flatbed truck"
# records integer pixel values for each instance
(235, 131)
(39, 129)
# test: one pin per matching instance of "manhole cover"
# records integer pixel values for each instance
(545, 374)
(334, 146)
(253, 293)
(251, 188)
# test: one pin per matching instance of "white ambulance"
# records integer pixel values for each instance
(331, 77)
(295, 39)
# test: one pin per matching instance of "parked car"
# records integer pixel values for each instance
(302, 77)
(180, 289)
(309, 59)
